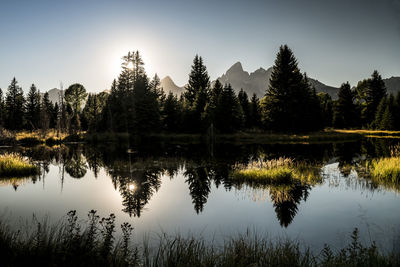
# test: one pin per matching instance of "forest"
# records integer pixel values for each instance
(138, 105)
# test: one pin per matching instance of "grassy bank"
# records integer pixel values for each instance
(275, 172)
(253, 137)
(386, 171)
(13, 165)
(94, 243)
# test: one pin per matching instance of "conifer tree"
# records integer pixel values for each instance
(376, 90)
(345, 109)
(326, 104)
(2, 110)
(289, 103)
(198, 80)
(171, 114)
(196, 96)
(32, 108)
(229, 113)
(379, 113)
(210, 109)
(14, 106)
(254, 112)
(388, 120)
(244, 102)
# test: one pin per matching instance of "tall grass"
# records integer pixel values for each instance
(93, 243)
(14, 165)
(386, 170)
(276, 171)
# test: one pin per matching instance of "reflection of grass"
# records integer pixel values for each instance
(15, 165)
(277, 171)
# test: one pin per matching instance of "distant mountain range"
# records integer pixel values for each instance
(255, 82)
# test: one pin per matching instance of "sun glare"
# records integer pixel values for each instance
(130, 65)
(131, 187)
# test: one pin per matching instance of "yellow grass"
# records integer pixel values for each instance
(14, 165)
(276, 171)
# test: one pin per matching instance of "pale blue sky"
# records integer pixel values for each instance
(45, 42)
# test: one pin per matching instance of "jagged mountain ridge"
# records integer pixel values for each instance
(255, 82)
(258, 81)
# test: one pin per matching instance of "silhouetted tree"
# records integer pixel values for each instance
(244, 102)
(196, 96)
(2, 110)
(326, 108)
(32, 108)
(14, 106)
(171, 114)
(345, 109)
(229, 114)
(289, 103)
(388, 117)
(254, 112)
(375, 91)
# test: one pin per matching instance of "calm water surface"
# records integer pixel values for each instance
(187, 189)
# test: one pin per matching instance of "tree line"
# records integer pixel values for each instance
(139, 105)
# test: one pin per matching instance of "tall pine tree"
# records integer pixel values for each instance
(14, 106)
(345, 109)
(289, 103)
(32, 108)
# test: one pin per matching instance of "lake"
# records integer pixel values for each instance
(187, 189)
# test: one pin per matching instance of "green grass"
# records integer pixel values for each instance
(13, 165)
(73, 242)
(275, 172)
(386, 169)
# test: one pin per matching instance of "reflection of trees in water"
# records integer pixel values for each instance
(76, 166)
(199, 185)
(286, 199)
(136, 184)
(139, 178)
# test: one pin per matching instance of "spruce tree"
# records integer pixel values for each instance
(254, 112)
(171, 114)
(210, 109)
(244, 102)
(388, 121)
(2, 110)
(198, 80)
(32, 108)
(375, 92)
(50, 110)
(229, 113)
(379, 113)
(289, 103)
(14, 106)
(345, 109)
(196, 95)
(326, 104)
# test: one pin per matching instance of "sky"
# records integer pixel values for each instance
(48, 42)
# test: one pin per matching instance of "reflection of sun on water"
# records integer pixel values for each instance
(131, 187)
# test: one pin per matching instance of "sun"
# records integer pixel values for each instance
(130, 65)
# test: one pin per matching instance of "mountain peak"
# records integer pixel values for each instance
(236, 67)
